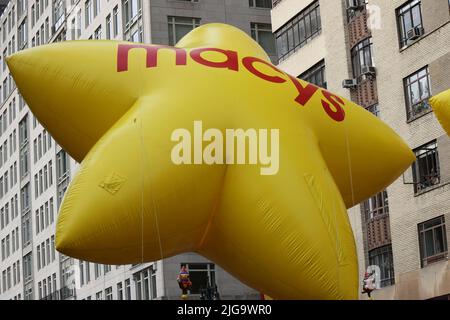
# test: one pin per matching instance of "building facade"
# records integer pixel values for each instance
(35, 172)
(390, 57)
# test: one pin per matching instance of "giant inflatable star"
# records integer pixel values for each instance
(114, 106)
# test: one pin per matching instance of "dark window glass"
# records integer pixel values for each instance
(316, 75)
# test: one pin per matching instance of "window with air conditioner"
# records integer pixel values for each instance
(362, 59)
(410, 25)
(354, 8)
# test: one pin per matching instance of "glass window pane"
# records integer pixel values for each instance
(415, 94)
(439, 240)
(429, 243)
(416, 20)
(424, 88)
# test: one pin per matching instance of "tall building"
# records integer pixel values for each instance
(35, 172)
(389, 57)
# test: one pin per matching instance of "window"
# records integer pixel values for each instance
(262, 33)
(382, 257)
(426, 172)
(25, 198)
(97, 270)
(27, 268)
(316, 75)
(374, 109)
(409, 17)
(353, 12)
(78, 21)
(127, 289)
(24, 168)
(131, 10)
(99, 295)
(109, 27)
(145, 284)
(98, 33)
(89, 13)
(432, 241)
(180, 26)
(52, 240)
(38, 250)
(260, 3)
(361, 57)
(417, 93)
(298, 31)
(97, 7)
(62, 166)
(376, 206)
(120, 291)
(22, 35)
(108, 293)
(202, 275)
(23, 131)
(88, 272)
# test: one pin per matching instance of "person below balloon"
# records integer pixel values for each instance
(369, 284)
(184, 281)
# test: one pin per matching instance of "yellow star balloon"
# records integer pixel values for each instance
(207, 147)
(441, 107)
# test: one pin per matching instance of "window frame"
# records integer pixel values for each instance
(172, 23)
(319, 67)
(422, 230)
(400, 12)
(291, 31)
(412, 115)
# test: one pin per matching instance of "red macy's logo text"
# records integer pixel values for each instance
(231, 62)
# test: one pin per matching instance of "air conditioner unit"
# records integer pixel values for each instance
(355, 4)
(349, 83)
(415, 33)
(368, 71)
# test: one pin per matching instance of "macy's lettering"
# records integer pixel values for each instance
(332, 104)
